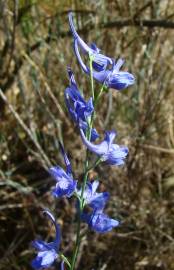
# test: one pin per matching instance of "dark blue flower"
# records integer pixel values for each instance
(47, 252)
(109, 152)
(105, 70)
(92, 198)
(78, 108)
(99, 222)
(65, 185)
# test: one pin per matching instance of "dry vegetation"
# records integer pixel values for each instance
(35, 48)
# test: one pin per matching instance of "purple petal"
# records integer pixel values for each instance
(57, 227)
(120, 80)
(110, 136)
(93, 50)
(99, 200)
(102, 223)
(94, 133)
(44, 259)
(62, 265)
(95, 185)
(82, 44)
(99, 149)
(83, 66)
(57, 173)
(40, 245)
(66, 160)
(64, 188)
(118, 65)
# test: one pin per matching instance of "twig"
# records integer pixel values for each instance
(142, 23)
(157, 148)
(47, 162)
(47, 87)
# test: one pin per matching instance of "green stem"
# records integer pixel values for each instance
(78, 238)
(65, 259)
(86, 168)
(77, 245)
(99, 95)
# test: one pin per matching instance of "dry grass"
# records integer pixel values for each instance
(142, 191)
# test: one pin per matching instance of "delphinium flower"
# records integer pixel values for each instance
(100, 61)
(92, 198)
(109, 152)
(99, 222)
(65, 185)
(78, 108)
(105, 70)
(47, 252)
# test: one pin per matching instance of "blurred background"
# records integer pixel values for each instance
(35, 49)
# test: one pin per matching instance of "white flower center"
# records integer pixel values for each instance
(63, 184)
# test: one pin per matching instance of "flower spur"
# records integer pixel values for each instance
(109, 152)
(100, 61)
(105, 70)
(65, 185)
(47, 252)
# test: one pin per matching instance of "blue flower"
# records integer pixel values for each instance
(47, 252)
(100, 61)
(92, 198)
(99, 222)
(78, 108)
(109, 152)
(114, 78)
(65, 185)
(105, 70)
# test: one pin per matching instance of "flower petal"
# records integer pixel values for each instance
(66, 160)
(58, 173)
(65, 188)
(120, 80)
(99, 200)
(44, 259)
(99, 149)
(57, 228)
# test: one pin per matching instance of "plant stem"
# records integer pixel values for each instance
(86, 167)
(78, 238)
(65, 260)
